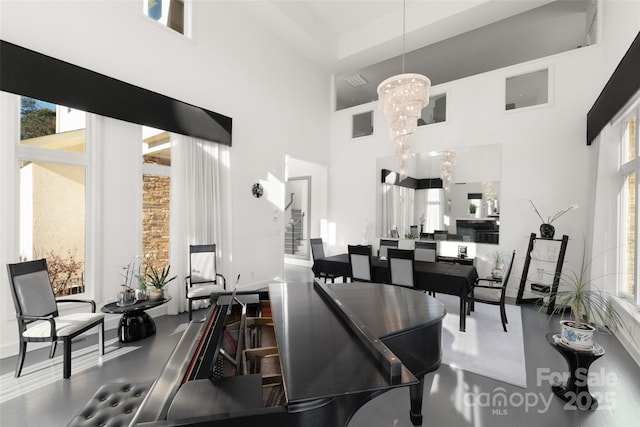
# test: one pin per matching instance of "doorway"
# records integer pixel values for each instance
(297, 217)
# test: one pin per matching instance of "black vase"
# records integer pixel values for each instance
(547, 231)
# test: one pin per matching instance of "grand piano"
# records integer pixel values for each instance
(299, 354)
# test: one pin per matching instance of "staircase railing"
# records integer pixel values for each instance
(290, 203)
(294, 223)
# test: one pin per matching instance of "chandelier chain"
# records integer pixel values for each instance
(404, 27)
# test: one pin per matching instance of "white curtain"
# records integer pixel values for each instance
(434, 210)
(397, 209)
(199, 208)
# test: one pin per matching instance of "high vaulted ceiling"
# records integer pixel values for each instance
(443, 39)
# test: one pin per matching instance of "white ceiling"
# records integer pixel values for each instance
(443, 39)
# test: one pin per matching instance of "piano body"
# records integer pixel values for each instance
(301, 354)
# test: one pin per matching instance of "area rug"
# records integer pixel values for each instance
(39, 374)
(484, 349)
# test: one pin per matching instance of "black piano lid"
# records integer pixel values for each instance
(398, 309)
(321, 357)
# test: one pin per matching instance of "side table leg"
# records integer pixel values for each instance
(135, 326)
(576, 391)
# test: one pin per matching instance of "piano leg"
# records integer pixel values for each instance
(415, 394)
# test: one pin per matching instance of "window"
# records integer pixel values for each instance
(630, 164)
(52, 191)
(527, 90)
(435, 111)
(156, 154)
(173, 14)
(362, 124)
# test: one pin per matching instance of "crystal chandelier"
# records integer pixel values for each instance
(402, 98)
(447, 164)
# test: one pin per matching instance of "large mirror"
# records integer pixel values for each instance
(445, 195)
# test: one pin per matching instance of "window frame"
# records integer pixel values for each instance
(89, 161)
(626, 168)
(187, 23)
(523, 72)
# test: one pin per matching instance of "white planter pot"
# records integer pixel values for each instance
(580, 338)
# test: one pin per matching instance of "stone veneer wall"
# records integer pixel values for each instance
(155, 219)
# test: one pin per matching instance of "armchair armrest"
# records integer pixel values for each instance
(83, 301)
(224, 281)
(492, 283)
(50, 319)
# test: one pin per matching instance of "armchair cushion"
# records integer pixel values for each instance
(487, 294)
(65, 325)
(204, 290)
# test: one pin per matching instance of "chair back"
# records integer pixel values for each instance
(31, 288)
(505, 279)
(360, 262)
(413, 230)
(506, 276)
(426, 251)
(385, 244)
(317, 248)
(202, 263)
(402, 267)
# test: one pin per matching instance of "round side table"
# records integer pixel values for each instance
(134, 324)
(576, 391)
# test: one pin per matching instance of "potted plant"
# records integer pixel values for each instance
(127, 295)
(547, 231)
(590, 307)
(157, 280)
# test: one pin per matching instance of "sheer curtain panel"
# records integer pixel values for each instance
(199, 208)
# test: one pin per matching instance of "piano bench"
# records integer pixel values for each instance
(113, 405)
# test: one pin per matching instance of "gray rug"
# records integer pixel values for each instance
(484, 348)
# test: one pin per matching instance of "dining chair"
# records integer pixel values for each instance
(492, 293)
(360, 263)
(38, 317)
(203, 279)
(317, 251)
(402, 267)
(426, 251)
(385, 244)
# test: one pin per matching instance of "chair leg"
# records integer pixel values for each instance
(101, 338)
(503, 317)
(21, 353)
(190, 309)
(52, 352)
(66, 359)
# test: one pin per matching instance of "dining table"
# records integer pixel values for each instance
(436, 277)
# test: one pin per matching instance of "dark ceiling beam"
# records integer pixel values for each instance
(622, 85)
(29, 73)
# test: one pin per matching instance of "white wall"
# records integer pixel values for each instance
(543, 150)
(279, 102)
